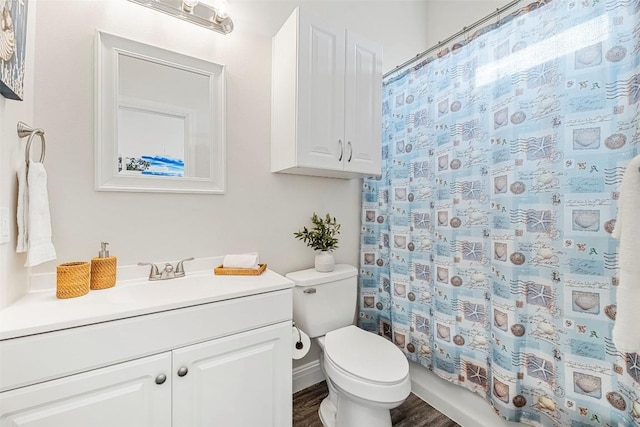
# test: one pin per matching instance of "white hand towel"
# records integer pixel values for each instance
(23, 209)
(626, 336)
(40, 248)
(241, 261)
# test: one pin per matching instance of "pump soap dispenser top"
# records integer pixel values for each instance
(104, 253)
(103, 269)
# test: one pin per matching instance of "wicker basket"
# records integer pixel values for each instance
(72, 279)
(220, 270)
(103, 272)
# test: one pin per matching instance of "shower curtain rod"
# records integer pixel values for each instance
(464, 30)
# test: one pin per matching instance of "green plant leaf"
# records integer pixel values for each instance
(322, 236)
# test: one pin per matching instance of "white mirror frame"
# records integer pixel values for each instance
(107, 177)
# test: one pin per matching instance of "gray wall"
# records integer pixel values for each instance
(260, 211)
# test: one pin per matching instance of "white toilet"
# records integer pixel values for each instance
(367, 375)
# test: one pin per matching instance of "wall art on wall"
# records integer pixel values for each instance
(13, 37)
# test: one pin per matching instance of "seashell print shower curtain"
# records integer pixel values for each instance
(486, 248)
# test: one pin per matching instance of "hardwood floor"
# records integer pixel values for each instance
(412, 413)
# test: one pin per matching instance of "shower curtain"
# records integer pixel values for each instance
(486, 248)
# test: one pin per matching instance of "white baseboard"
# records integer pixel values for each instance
(462, 406)
(307, 375)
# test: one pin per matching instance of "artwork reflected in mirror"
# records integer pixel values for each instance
(169, 115)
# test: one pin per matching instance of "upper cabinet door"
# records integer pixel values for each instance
(363, 105)
(321, 67)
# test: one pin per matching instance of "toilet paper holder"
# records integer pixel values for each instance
(299, 344)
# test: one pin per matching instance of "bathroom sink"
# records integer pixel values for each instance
(162, 291)
(191, 288)
(41, 311)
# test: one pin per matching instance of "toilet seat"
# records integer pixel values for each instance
(366, 365)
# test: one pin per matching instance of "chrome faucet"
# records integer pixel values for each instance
(169, 271)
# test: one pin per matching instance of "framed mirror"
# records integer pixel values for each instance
(160, 120)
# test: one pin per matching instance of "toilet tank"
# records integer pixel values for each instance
(323, 302)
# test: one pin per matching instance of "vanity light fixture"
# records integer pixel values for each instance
(211, 14)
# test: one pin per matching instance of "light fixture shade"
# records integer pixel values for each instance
(221, 7)
(194, 11)
(188, 5)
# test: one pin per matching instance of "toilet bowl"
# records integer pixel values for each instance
(366, 374)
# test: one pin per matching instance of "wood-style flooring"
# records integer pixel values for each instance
(412, 413)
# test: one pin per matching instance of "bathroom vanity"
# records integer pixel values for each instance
(201, 350)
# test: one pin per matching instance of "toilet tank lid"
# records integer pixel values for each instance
(312, 277)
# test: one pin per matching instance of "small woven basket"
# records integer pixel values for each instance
(103, 272)
(72, 279)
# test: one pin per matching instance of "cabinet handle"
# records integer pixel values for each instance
(160, 379)
(310, 291)
(182, 371)
(350, 151)
(341, 150)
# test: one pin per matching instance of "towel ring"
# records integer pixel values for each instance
(26, 130)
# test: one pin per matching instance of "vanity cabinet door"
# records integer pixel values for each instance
(123, 395)
(237, 381)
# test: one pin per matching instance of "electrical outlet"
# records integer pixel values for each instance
(4, 225)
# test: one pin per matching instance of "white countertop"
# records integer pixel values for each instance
(40, 311)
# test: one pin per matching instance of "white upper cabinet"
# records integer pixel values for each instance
(326, 101)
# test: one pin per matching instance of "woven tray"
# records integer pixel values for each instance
(220, 270)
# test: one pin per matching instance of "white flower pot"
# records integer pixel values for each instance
(325, 262)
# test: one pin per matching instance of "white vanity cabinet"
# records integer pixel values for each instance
(326, 100)
(226, 362)
(241, 380)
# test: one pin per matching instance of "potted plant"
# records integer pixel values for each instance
(322, 238)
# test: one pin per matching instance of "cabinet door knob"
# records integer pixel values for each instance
(350, 151)
(160, 379)
(182, 371)
(341, 150)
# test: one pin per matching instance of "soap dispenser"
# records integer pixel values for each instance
(103, 269)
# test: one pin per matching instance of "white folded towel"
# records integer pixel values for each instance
(626, 336)
(241, 261)
(39, 245)
(23, 209)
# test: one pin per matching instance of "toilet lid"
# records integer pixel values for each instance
(366, 355)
